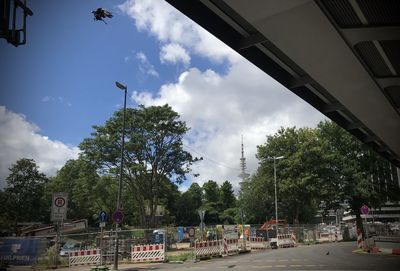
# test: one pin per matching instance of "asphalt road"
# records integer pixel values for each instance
(314, 257)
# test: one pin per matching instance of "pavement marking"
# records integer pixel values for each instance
(295, 265)
(280, 265)
(284, 260)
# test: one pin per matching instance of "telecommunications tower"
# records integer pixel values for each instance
(243, 174)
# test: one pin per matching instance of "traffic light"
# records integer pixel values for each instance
(8, 21)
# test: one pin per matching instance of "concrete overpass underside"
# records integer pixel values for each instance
(340, 56)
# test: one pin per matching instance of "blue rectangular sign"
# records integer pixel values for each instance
(19, 251)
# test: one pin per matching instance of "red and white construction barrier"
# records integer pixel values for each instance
(257, 243)
(285, 240)
(206, 249)
(231, 246)
(84, 257)
(148, 253)
(360, 242)
(293, 238)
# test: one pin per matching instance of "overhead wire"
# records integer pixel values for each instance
(210, 159)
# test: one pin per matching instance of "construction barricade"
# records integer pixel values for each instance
(148, 253)
(257, 243)
(285, 240)
(244, 245)
(293, 238)
(207, 249)
(231, 246)
(84, 257)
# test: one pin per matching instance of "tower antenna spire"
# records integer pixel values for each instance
(243, 174)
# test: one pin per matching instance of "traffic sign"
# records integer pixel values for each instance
(102, 224)
(102, 216)
(59, 207)
(117, 216)
(364, 209)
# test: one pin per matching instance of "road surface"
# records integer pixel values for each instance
(340, 257)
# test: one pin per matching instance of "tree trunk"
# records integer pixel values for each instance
(355, 206)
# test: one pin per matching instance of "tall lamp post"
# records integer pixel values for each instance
(276, 198)
(125, 89)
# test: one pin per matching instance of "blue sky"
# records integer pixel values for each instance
(54, 88)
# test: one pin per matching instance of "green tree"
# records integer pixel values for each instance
(153, 152)
(299, 175)
(256, 198)
(227, 198)
(211, 191)
(355, 174)
(24, 192)
(212, 203)
(188, 204)
(88, 192)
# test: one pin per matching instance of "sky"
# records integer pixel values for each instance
(62, 82)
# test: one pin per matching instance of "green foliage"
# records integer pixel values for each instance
(153, 153)
(298, 175)
(355, 174)
(23, 196)
(227, 198)
(88, 193)
(211, 192)
(184, 256)
(256, 198)
(323, 164)
(188, 204)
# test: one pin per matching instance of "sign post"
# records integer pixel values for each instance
(365, 211)
(201, 214)
(102, 220)
(59, 205)
(192, 233)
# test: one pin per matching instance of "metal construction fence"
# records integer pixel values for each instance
(41, 249)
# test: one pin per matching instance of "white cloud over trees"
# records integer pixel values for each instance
(21, 139)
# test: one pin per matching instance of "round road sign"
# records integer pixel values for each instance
(117, 216)
(59, 202)
(365, 209)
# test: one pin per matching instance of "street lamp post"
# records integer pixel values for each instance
(276, 197)
(125, 89)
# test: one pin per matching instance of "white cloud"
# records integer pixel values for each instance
(219, 109)
(20, 139)
(145, 66)
(174, 53)
(45, 99)
(170, 26)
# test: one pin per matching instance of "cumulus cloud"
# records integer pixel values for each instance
(45, 99)
(145, 66)
(21, 139)
(174, 53)
(220, 108)
(170, 26)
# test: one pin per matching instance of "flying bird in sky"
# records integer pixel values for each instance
(100, 14)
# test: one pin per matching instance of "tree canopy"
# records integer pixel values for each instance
(153, 153)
